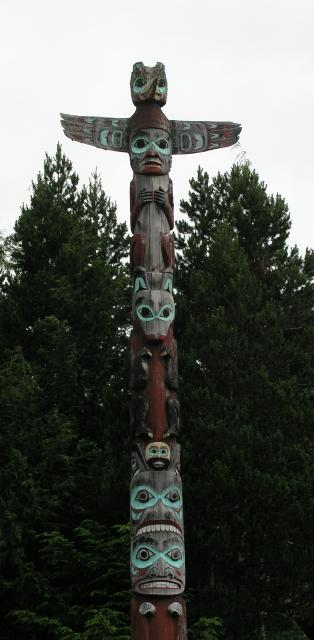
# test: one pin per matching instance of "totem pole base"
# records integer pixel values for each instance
(158, 618)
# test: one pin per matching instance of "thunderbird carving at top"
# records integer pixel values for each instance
(149, 91)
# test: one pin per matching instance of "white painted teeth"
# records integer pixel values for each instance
(158, 585)
(158, 527)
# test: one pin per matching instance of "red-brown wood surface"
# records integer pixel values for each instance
(167, 621)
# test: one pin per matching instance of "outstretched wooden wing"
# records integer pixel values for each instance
(105, 133)
(193, 136)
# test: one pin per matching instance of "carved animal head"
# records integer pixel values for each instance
(157, 564)
(153, 304)
(149, 83)
(156, 503)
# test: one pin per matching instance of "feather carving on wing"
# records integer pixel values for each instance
(190, 136)
(105, 133)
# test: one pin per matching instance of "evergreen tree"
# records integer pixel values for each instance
(64, 319)
(246, 335)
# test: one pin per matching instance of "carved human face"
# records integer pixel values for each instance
(150, 152)
(156, 503)
(157, 564)
(157, 454)
(149, 83)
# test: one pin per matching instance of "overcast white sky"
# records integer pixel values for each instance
(249, 61)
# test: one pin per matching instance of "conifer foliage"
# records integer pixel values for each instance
(246, 334)
(244, 323)
(64, 319)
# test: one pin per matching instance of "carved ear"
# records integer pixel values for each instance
(138, 65)
(190, 136)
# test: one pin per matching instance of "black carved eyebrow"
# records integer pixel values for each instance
(168, 542)
(146, 540)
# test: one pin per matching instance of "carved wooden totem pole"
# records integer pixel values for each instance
(157, 538)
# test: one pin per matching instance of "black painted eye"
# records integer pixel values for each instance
(163, 143)
(139, 82)
(161, 82)
(175, 554)
(173, 496)
(143, 496)
(165, 313)
(144, 554)
(140, 143)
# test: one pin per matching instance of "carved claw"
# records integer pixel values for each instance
(160, 196)
(145, 196)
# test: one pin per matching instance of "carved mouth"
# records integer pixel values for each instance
(158, 464)
(158, 584)
(152, 163)
(162, 525)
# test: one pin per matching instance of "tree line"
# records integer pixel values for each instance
(244, 324)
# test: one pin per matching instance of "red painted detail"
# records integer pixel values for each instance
(156, 390)
(167, 250)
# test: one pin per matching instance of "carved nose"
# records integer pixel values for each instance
(169, 516)
(155, 570)
(161, 570)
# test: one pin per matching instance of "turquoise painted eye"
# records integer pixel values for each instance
(140, 143)
(175, 554)
(144, 554)
(143, 496)
(173, 496)
(153, 451)
(166, 313)
(144, 312)
(162, 143)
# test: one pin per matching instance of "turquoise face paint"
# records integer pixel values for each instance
(144, 496)
(142, 144)
(140, 85)
(145, 313)
(144, 555)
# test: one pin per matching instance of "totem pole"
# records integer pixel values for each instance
(157, 533)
